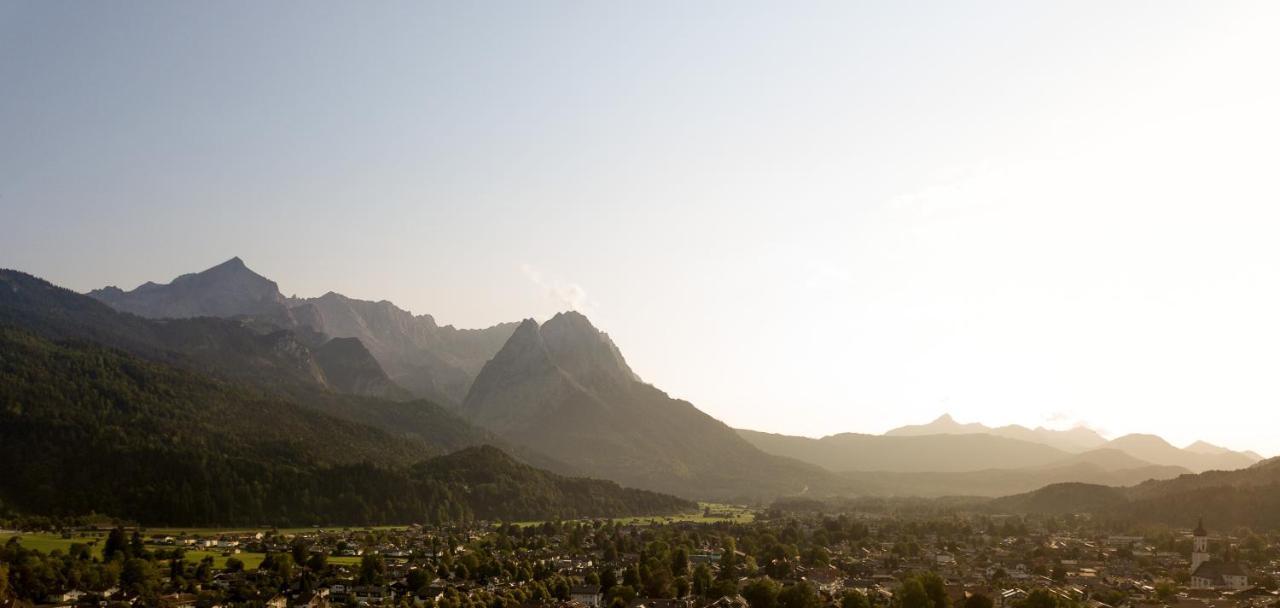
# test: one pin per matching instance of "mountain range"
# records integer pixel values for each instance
(1077, 439)
(87, 429)
(945, 445)
(430, 361)
(1198, 456)
(557, 396)
(562, 391)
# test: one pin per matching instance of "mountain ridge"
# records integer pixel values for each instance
(564, 389)
(1243, 497)
(1197, 457)
(429, 360)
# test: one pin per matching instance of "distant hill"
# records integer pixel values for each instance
(957, 465)
(1156, 450)
(84, 429)
(1112, 459)
(1245, 497)
(908, 454)
(1197, 457)
(495, 486)
(430, 361)
(1077, 439)
(564, 389)
(1002, 482)
(1062, 498)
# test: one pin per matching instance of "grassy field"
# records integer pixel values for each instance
(49, 542)
(719, 513)
(286, 531)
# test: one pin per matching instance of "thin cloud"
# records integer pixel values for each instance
(564, 295)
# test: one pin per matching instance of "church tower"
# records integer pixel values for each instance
(1200, 546)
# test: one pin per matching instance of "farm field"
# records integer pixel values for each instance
(49, 542)
(708, 513)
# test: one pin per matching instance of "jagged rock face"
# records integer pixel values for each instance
(565, 390)
(349, 368)
(520, 385)
(431, 361)
(229, 289)
(585, 353)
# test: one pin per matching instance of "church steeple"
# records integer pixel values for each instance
(1199, 546)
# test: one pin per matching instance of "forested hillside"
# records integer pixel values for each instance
(88, 429)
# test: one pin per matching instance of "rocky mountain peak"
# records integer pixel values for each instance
(583, 351)
(235, 263)
(229, 289)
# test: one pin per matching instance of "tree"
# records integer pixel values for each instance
(936, 589)
(761, 593)
(418, 579)
(1059, 573)
(799, 595)
(978, 600)
(729, 560)
(1039, 598)
(138, 578)
(631, 576)
(626, 593)
(657, 580)
(912, 595)
(855, 599)
(136, 547)
(372, 569)
(4, 582)
(608, 579)
(680, 561)
(724, 587)
(115, 543)
(702, 580)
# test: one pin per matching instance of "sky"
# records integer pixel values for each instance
(805, 218)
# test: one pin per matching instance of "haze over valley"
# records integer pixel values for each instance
(558, 395)
(549, 304)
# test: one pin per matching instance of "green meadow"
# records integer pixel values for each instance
(719, 513)
(49, 542)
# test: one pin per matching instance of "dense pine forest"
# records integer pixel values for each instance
(88, 429)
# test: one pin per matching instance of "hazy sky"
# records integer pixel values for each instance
(802, 217)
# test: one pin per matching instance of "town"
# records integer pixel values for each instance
(772, 558)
